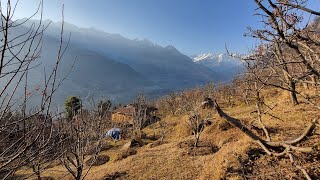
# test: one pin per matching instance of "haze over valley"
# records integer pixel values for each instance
(110, 65)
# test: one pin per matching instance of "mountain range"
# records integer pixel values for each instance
(112, 66)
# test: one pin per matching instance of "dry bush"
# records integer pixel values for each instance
(143, 115)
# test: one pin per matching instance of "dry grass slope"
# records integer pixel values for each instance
(235, 155)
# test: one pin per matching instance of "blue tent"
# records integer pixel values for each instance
(114, 133)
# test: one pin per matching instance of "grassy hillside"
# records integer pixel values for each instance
(223, 152)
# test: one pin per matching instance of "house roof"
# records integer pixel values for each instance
(127, 110)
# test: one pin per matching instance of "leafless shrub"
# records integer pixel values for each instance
(197, 122)
(170, 102)
(140, 114)
(84, 132)
(143, 114)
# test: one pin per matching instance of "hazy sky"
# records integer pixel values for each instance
(192, 26)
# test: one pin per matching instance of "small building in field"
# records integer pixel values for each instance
(125, 114)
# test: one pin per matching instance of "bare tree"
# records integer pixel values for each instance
(288, 55)
(226, 92)
(289, 47)
(209, 90)
(84, 134)
(198, 119)
(197, 124)
(171, 102)
(242, 88)
(261, 108)
(255, 72)
(140, 115)
(25, 135)
(104, 109)
(163, 125)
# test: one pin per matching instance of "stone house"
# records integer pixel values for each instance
(125, 114)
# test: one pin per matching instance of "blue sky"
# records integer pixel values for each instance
(192, 26)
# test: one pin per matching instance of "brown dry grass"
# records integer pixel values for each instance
(236, 156)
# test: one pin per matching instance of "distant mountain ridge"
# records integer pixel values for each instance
(165, 66)
(110, 65)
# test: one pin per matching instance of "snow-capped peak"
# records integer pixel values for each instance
(221, 63)
(210, 56)
(220, 56)
(217, 57)
(203, 57)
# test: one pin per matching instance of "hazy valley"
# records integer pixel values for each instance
(110, 65)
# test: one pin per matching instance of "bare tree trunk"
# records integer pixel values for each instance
(36, 170)
(79, 173)
(315, 80)
(197, 136)
(246, 97)
(292, 87)
(293, 94)
(229, 101)
(260, 114)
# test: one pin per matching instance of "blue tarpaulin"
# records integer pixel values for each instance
(114, 133)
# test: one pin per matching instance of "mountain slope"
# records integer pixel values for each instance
(110, 65)
(92, 75)
(165, 66)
